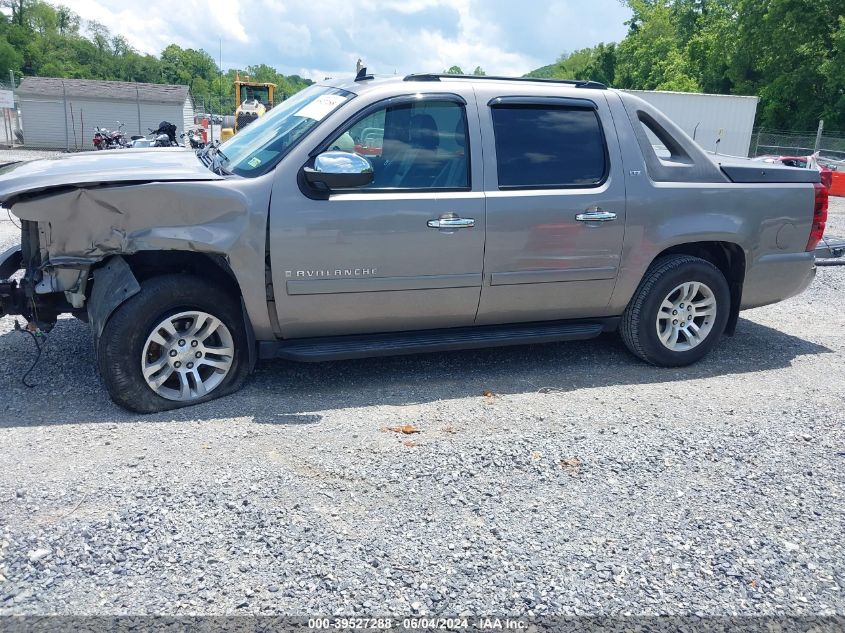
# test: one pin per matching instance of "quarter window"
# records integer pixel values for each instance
(417, 145)
(548, 146)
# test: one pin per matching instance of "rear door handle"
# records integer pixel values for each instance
(596, 215)
(451, 223)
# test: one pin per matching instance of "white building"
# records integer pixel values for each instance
(708, 118)
(62, 113)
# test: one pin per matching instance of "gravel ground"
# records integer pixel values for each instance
(588, 483)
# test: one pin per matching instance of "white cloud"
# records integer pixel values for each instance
(323, 38)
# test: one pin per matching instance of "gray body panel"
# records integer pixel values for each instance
(94, 168)
(762, 219)
(540, 263)
(366, 262)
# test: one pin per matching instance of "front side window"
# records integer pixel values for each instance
(548, 146)
(256, 149)
(415, 145)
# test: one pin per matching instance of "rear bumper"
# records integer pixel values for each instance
(776, 277)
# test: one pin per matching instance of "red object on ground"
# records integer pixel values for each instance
(837, 184)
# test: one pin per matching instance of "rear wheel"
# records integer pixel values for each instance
(678, 313)
(179, 341)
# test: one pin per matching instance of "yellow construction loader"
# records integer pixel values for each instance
(253, 99)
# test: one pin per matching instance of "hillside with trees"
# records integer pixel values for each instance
(37, 38)
(790, 53)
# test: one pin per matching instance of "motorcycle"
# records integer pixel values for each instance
(195, 139)
(163, 136)
(109, 139)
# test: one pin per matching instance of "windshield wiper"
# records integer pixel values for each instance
(213, 158)
(218, 159)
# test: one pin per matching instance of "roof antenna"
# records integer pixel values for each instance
(361, 72)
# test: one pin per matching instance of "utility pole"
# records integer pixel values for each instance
(14, 107)
(819, 136)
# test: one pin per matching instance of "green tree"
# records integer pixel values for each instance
(10, 58)
(479, 71)
(454, 70)
(784, 53)
(833, 68)
(67, 21)
(597, 63)
(652, 55)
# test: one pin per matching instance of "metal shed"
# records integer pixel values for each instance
(62, 113)
(708, 117)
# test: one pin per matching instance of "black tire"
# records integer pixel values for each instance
(639, 321)
(121, 345)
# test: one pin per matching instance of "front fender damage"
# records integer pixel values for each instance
(78, 231)
(86, 225)
(114, 283)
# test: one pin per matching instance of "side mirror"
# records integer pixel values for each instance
(339, 170)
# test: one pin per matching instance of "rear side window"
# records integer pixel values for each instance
(548, 146)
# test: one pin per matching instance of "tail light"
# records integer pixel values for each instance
(819, 217)
(827, 179)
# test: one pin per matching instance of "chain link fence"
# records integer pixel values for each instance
(10, 132)
(217, 111)
(831, 144)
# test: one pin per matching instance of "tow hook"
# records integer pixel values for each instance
(830, 253)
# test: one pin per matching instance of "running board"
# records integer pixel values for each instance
(398, 343)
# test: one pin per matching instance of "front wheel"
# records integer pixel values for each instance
(678, 313)
(179, 341)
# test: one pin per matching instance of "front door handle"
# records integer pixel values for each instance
(595, 215)
(451, 222)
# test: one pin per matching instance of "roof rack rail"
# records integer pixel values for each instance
(577, 83)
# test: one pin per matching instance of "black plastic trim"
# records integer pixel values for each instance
(577, 83)
(333, 348)
(10, 262)
(568, 102)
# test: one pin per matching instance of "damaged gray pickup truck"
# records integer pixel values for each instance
(371, 217)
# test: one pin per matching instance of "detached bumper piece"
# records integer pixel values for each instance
(830, 252)
(12, 297)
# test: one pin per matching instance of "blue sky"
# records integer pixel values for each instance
(317, 38)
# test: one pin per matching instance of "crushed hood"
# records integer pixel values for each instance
(94, 168)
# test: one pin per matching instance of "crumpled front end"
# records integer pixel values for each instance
(18, 293)
(72, 231)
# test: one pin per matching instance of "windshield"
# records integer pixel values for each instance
(256, 149)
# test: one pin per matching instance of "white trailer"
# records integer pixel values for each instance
(719, 123)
